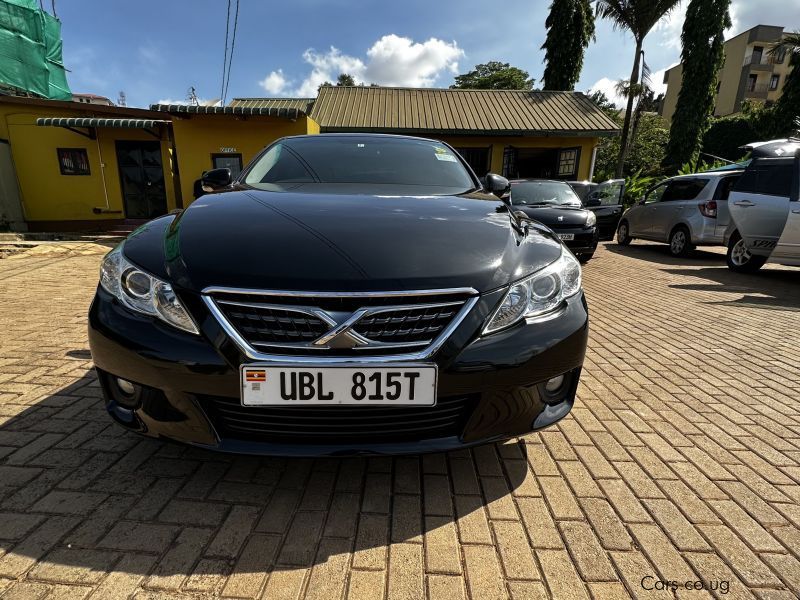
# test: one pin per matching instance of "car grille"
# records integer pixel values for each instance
(291, 325)
(338, 424)
(407, 325)
(262, 325)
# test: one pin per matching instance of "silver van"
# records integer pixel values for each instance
(683, 211)
(765, 206)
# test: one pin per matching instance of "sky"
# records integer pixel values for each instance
(155, 51)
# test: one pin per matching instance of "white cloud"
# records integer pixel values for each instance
(395, 60)
(274, 83)
(327, 67)
(391, 60)
(608, 87)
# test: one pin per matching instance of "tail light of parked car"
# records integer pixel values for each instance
(708, 209)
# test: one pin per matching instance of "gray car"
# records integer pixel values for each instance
(684, 211)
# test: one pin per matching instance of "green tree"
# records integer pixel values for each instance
(787, 107)
(570, 28)
(494, 75)
(638, 17)
(345, 79)
(702, 57)
(602, 101)
(646, 152)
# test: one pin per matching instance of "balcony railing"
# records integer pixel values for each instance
(760, 90)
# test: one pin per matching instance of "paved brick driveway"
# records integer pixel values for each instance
(680, 462)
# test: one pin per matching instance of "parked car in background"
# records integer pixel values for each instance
(605, 200)
(555, 204)
(765, 207)
(683, 211)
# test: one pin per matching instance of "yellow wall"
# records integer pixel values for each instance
(199, 136)
(499, 144)
(46, 194)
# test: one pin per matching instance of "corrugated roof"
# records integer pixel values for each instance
(477, 112)
(268, 107)
(300, 104)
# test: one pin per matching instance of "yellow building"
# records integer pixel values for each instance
(748, 73)
(68, 166)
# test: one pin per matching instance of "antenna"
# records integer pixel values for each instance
(121, 99)
(192, 97)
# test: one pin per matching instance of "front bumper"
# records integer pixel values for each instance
(585, 239)
(489, 388)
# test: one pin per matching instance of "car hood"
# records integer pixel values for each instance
(343, 242)
(555, 216)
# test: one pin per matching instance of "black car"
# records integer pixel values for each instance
(346, 294)
(605, 200)
(555, 204)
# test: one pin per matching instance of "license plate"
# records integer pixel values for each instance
(567, 237)
(293, 385)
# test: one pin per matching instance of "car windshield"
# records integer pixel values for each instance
(359, 160)
(543, 193)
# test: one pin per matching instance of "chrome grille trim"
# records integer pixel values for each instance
(406, 350)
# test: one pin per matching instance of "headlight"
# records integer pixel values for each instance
(538, 294)
(591, 220)
(142, 292)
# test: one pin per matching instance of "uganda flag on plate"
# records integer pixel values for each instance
(255, 375)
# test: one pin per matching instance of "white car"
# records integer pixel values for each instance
(765, 207)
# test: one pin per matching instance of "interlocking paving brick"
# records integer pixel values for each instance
(253, 566)
(172, 568)
(233, 532)
(686, 436)
(144, 537)
(586, 551)
(484, 577)
(515, 552)
(405, 572)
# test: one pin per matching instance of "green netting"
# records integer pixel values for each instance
(30, 50)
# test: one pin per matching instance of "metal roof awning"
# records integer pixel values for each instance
(291, 109)
(91, 123)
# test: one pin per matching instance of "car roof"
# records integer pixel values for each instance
(774, 149)
(360, 135)
(704, 174)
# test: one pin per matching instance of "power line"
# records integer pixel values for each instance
(230, 57)
(225, 57)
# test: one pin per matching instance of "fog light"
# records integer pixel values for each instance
(126, 387)
(554, 384)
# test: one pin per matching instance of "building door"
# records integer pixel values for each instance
(141, 174)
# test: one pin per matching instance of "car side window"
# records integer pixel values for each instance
(724, 187)
(684, 189)
(772, 177)
(655, 194)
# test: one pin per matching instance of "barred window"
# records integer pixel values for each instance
(73, 161)
(568, 162)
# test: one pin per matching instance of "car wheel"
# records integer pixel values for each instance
(740, 259)
(623, 234)
(680, 242)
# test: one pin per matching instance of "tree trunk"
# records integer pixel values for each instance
(626, 126)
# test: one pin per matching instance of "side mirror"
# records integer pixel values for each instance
(640, 201)
(216, 179)
(497, 185)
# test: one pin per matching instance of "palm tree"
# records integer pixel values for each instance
(787, 107)
(638, 17)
